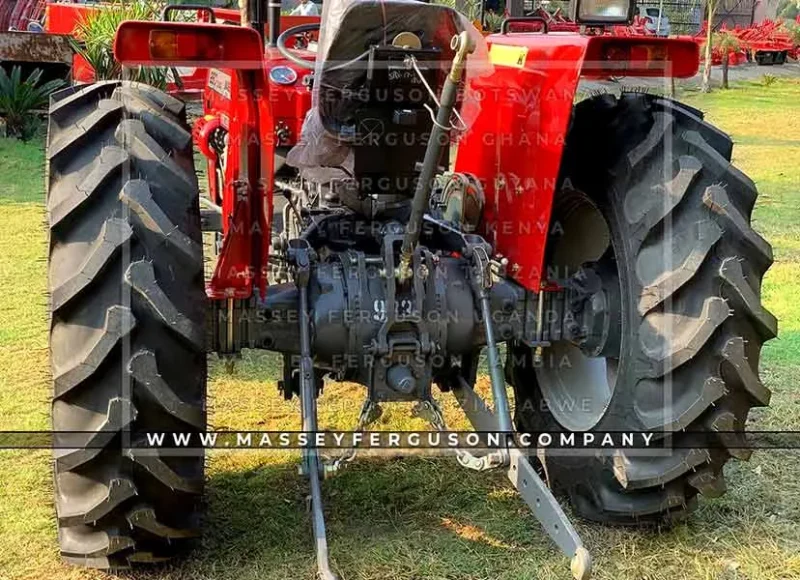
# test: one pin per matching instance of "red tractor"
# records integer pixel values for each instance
(393, 195)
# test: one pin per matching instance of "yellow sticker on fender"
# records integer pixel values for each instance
(508, 55)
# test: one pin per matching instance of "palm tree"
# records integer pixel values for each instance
(18, 100)
(726, 43)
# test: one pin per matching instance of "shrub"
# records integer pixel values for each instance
(95, 40)
(19, 98)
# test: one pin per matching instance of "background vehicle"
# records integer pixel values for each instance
(612, 234)
(655, 20)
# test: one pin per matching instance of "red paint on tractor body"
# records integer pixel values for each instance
(246, 194)
(62, 19)
(514, 146)
(253, 113)
(247, 219)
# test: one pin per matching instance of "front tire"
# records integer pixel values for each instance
(691, 323)
(127, 335)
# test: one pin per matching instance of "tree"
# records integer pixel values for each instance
(793, 28)
(711, 9)
(726, 43)
(788, 9)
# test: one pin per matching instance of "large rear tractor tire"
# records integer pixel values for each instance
(127, 335)
(648, 198)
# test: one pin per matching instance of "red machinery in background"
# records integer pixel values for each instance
(768, 42)
(23, 45)
(765, 43)
(558, 22)
(63, 18)
(16, 15)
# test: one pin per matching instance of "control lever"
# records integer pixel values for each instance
(463, 45)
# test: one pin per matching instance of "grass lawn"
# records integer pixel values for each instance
(417, 518)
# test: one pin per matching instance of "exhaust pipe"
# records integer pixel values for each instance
(274, 16)
(253, 13)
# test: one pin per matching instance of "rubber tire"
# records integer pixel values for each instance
(765, 58)
(127, 335)
(616, 152)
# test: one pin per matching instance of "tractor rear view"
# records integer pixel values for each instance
(444, 195)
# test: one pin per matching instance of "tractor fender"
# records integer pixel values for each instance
(516, 137)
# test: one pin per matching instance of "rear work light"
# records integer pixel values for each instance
(601, 12)
(187, 44)
(640, 56)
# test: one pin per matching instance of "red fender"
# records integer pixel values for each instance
(515, 143)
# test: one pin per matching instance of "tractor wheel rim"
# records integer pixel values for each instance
(578, 388)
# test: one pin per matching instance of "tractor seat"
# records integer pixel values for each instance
(363, 71)
(372, 112)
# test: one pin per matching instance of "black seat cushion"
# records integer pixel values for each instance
(344, 90)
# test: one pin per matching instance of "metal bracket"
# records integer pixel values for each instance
(527, 482)
(431, 412)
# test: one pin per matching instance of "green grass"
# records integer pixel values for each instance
(417, 518)
(765, 127)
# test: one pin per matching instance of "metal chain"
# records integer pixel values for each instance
(431, 412)
(370, 412)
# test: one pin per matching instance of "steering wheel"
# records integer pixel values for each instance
(287, 52)
(290, 55)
